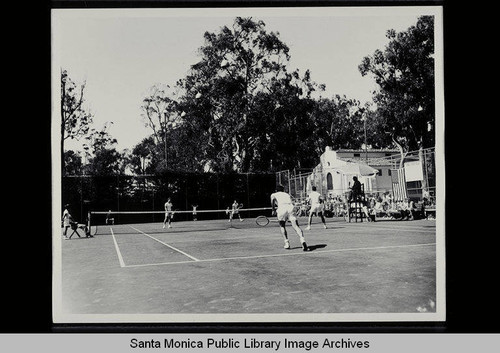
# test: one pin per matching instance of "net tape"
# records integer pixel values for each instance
(175, 211)
(124, 221)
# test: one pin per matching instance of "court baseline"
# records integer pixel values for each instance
(338, 227)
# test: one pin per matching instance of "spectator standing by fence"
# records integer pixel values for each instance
(66, 220)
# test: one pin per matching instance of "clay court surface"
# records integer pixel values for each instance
(207, 267)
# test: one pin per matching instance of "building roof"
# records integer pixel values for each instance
(369, 150)
(374, 162)
(358, 169)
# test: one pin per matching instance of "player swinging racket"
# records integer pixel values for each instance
(168, 213)
(235, 210)
(317, 206)
(283, 208)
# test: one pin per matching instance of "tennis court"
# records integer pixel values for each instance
(215, 267)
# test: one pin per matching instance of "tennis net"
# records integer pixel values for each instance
(150, 222)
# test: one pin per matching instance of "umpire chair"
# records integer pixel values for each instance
(355, 205)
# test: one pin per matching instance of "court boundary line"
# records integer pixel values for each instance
(288, 254)
(398, 229)
(336, 227)
(170, 246)
(120, 257)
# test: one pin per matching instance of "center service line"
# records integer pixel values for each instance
(120, 258)
(170, 246)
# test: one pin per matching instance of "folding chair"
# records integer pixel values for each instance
(75, 226)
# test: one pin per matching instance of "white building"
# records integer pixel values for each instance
(333, 176)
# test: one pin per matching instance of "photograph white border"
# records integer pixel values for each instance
(440, 315)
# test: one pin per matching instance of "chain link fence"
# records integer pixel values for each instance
(149, 193)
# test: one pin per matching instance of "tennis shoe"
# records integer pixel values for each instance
(304, 247)
(169, 226)
(287, 245)
(241, 220)
(163, 226)
(308, 228)
(324, 225)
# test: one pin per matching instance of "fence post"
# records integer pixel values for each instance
(248, 193)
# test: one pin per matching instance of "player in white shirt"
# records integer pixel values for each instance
(317, 206)
(168, 213)
(195, 213)
(67, 219)
(283, 207)
(235, 210)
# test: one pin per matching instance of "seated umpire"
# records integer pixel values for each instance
(355, 190)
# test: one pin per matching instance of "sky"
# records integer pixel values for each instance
(121, 53)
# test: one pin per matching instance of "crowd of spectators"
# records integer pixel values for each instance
(378, 206)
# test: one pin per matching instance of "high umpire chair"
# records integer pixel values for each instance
(355, 206)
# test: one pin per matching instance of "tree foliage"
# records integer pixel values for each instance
(160, 113)
(75, 118)
(73, 163)
(241, 109)
(143, 157)
(404, 72)
(106, 161)
(338, 123)
(240, 100)
(76, 123)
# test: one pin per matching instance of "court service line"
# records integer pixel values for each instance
(338, 229)
(120, 257)
(397, 229)
(395, 224)
(170, 246)
(289, 254)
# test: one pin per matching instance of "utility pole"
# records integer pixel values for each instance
(366, 146)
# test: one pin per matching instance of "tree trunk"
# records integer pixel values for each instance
(401, 152)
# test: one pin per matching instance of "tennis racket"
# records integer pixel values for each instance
(262, 221)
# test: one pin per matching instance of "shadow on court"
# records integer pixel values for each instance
(79, 238)
(315, 247)
(310, 247)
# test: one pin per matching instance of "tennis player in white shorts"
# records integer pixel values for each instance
(317, 206)
(235, 210)
(282, 206)
(168, 213)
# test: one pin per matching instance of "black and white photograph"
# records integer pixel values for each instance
(248, 165)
